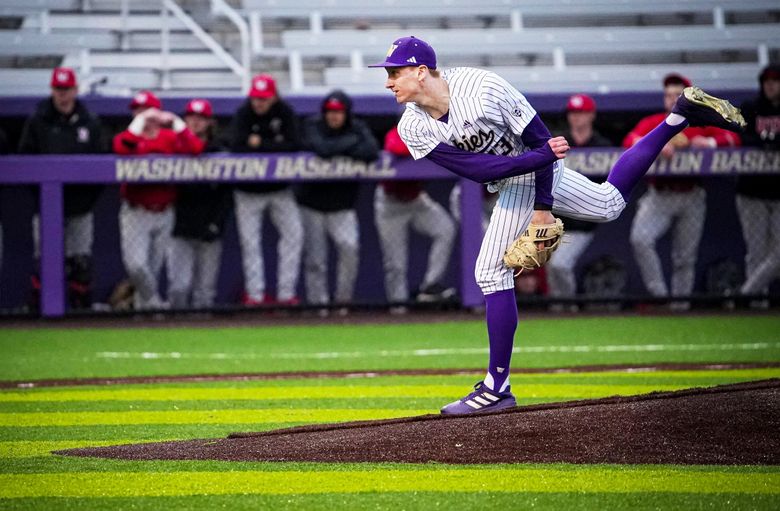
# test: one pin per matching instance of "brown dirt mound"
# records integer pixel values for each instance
(724, 425)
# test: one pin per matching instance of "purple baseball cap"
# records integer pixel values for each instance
(409, 51)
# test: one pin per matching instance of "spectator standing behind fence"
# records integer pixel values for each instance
(399, 205)
(200, 212)
(146, 214)
(62, 124)
(758, 197)
(561, 280)
(328, 209)
(267, 124)
(672, 200)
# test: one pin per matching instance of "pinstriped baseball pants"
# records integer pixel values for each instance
(575, 196)
(286, 217)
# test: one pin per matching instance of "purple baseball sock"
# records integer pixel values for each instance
(633, 164)
(501, 312)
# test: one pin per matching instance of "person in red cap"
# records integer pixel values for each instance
(398, 206)
(328, 209)
(758, 197)
(200, 214)
(561, 279)
(267, 124)
(673, 202)
(62, 124)
(146, 215)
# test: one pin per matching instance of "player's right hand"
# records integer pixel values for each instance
(559, 146)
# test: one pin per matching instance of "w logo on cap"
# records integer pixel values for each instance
(197, 106)
(391, 50)
(261, 84)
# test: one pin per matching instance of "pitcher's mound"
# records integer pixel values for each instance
(728, 424)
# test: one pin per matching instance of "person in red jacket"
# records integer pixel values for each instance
(678, 202)
(146, 216)
(399, 205)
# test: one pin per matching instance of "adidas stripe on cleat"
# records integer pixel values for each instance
(481, 400)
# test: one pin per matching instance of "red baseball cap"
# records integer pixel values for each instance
(334, 104)
(199, 107)
(676, 79)
(145, 99)
(581, 103)
(63, 78)
(263, 86)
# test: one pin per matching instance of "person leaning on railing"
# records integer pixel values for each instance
(758, 197)
(328, 209)
(146, 215)
(561, 279)
(673, 202)
(200, 211)
(398, 206)
(265, 123)
(62, 124)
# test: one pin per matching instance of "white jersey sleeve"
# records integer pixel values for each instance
(417, 136)
(506, 105)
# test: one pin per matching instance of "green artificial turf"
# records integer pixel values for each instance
(35, 421)
(64, 353)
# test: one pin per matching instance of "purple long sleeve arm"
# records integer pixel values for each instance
(484, 168)
(536, 135)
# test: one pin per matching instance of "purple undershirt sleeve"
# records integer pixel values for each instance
(484, 168)
(536, 135)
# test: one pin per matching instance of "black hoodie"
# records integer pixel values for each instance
(353, 140)
(278, 129)
(48, 131)
(763, 130)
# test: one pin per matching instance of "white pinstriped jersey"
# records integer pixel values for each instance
(486, 115)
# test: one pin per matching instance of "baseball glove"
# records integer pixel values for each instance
(524, 254)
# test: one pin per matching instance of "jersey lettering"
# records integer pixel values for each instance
(474, 143)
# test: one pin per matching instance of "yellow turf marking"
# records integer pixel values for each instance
(201, 416)
(590, 480)
(552, 390)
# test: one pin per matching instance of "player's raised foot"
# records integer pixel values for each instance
(702, 109)
(481, 400)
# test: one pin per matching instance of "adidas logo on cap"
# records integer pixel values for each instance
(412, 60)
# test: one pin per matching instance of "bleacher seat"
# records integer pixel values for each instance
(594, 45)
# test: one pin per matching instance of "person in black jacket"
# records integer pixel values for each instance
(758, 197)
(266, 124)
(200, 212)
(62, 124)
(561, 280)
(328, 209)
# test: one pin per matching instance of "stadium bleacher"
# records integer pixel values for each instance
(311, 45)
